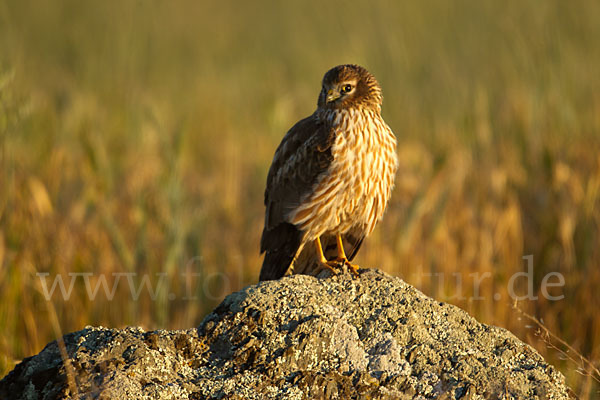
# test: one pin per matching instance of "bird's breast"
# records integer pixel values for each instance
(356, 187)
(365, 158)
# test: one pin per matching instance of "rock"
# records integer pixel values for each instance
(301, 337)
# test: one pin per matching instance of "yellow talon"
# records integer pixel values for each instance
(332, 266)
(342, 257)
(341, 261)
(353, 269)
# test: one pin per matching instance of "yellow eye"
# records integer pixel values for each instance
(346, 88)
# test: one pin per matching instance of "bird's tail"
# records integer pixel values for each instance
(275, 265)
(280, 244)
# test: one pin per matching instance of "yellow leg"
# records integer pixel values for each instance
(330, 265)
(342, 256)
(320, 251)
(340, 248)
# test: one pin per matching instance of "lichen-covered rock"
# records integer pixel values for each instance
(299, 338)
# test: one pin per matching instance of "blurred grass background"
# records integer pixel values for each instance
(135, 137)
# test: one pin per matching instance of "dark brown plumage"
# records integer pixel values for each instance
(330, 179)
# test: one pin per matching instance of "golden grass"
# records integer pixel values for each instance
(135, 137)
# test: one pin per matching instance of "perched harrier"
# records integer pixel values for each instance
(330, 180)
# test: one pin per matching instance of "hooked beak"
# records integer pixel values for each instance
(332, 95)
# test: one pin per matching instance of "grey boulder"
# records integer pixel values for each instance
(300, 337)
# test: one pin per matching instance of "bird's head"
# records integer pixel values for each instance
(347, 86)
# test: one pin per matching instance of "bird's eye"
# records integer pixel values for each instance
(346, 88)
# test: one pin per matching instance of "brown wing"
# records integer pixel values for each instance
(303, 155)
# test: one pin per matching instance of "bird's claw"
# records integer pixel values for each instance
(331, 266)
(353, 268)
(337, 265)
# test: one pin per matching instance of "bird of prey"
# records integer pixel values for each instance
(330, 180)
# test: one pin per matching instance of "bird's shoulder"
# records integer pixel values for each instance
(303, 154)
(310, 133)
(305, 148)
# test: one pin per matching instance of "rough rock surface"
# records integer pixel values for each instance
(299, 338)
